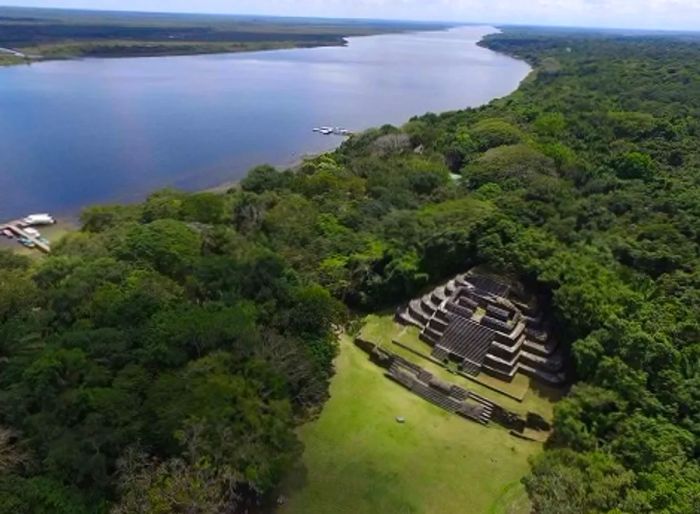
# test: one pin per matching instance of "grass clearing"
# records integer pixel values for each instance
(358, 459)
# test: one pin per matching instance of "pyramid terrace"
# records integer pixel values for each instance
(482, 325)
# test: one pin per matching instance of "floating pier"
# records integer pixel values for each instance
(19, 229)
(332, 131)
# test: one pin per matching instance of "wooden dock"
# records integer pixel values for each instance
(16, 228)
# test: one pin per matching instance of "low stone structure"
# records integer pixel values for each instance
(450, 397)
(476, 321)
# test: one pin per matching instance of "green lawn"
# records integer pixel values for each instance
(358, 459)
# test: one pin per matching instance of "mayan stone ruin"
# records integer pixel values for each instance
(484, 325)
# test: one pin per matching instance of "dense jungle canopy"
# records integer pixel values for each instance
(161, 357)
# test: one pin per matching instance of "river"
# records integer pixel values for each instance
(80, 132)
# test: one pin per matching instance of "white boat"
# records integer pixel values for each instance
(327, 131)
(32, 232)
(39, 219)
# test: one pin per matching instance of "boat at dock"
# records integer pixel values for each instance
(28, 236)
(26, 242)
(38, 219)
(332, 131)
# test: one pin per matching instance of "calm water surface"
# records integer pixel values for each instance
(75, 133)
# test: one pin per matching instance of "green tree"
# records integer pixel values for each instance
(169, 246)
(565, 482)
(634, 165)
(491, 133)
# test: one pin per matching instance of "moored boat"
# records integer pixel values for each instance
(26, 242)
(39, 219)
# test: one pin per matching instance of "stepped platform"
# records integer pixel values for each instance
(449, 397)
(473, 321)
(467, 340)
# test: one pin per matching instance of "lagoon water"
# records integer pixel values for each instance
(75, 133)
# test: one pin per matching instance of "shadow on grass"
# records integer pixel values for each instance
(296, 480)
(550, 393)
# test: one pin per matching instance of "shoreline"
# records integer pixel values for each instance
(75, 50)
(28, 59)
(69, 221)
(225, 186)
(22, 55)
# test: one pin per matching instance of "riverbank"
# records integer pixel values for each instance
(30, 35)
(8, 59)
(183, 122)
(120, 49)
